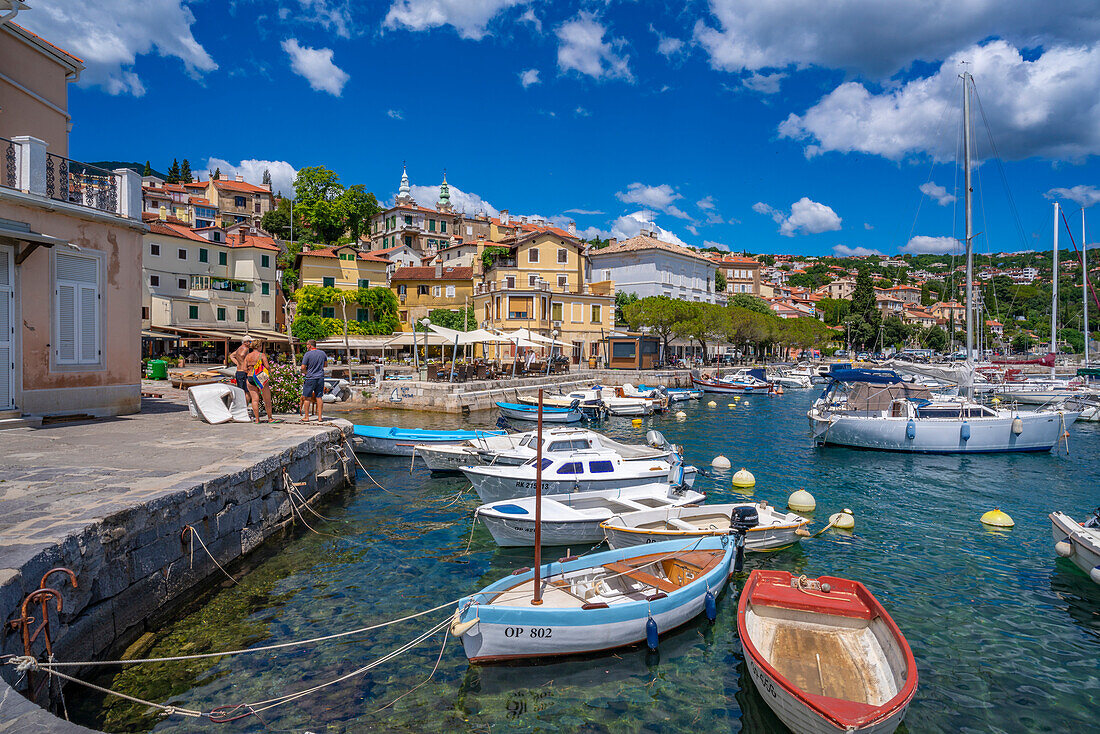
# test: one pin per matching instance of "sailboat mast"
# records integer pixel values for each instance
(536, 599)
(969, 219)
(1054, 294)
(1084, 287)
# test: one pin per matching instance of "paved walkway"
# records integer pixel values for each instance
(57, 479)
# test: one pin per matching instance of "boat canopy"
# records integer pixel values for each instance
(874, 377)
(875, 397)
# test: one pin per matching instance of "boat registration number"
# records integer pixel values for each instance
(533, 632)
(525, 485)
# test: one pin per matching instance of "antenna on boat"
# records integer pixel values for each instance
(537, 598)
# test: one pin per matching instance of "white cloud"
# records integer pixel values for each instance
(462, 201)
(332, 15)
(876, 38)
(845, 251)
(315, 65)
(109, 35)
(867, 226)
(1048, 107)
(934, 191)
(582, 112)
(923, 245)
(530, 17)
(653, 197)
(1083, 195)
(581, 47)
(719, 245)
(806, 217)
(667, 46)
(395, 114)
(529, 77)
(588, 212)
(282, 173)
(470, 18)
(763, 83)
(630, 225)
(710, 209)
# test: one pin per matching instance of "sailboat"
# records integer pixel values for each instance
(875, 410)
(600, 601)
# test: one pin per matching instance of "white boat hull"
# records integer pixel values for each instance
(799, 718)
(757, 540)
(496, 489)
(1084, 543)
(1041, 432)
(573, 416)
(448, 457)
(731, 388)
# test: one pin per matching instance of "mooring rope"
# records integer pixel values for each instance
(195, 536)
(367, 473)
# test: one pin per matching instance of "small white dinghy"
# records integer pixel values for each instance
(824, 654)
(218, 403)
(1079, 542)
(776, 529)
(575, 517)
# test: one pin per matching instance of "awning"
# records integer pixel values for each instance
(21, 232)
(150, 334)
(354, 342)
(406, 339)
(535, 337)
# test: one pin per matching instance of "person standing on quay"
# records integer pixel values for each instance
(238, 357)
(313, 389)
(259, 380)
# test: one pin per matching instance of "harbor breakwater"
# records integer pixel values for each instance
(117, 508)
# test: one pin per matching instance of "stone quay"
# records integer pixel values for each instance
(111, 500)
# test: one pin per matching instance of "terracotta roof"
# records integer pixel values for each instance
(53, 46)
(171, 229)
(245, 239)
(199, 200)
(428, 273)
(723, 259)
(331, 252)
(642, 243)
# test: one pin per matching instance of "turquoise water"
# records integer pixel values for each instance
(1006, 635)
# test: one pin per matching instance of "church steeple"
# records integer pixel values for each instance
(444, 203)
(404, 195)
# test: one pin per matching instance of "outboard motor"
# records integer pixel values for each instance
(742, 519)
(676, 472)
(656, 439)
(1094, 521)
(575, 405)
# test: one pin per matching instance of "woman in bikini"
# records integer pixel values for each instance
(259, 380)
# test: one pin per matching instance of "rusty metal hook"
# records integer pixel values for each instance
(59, 569)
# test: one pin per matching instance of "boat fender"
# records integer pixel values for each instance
(594, 605)
(710, 606)
(964, 432)
(1094, 574)
(911, 430)
(1063, 548)
(461, 628)
(651, 634)
(655, 597)
(1017, 426)
(518, 571)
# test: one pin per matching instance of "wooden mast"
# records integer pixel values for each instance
(537, 598)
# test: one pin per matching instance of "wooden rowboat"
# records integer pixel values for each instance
(824, 654)
(777, 529)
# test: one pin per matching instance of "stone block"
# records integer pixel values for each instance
(154, 556)
(251, 538)
(137, 602)
(231, 519)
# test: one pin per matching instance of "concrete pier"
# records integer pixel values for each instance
(464, 397)
(110, 499)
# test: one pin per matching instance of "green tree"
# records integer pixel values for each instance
(277, 220)
(148, 170)
(1072, 338)
(752, 303)
(185, 172)
(895, 332)
(719, 281)
(659, 315)
(217, 173)
(267, 178)
(834, 310)
(934, 338)
(318, 201)
(358, 205)
(710, 323)
(622, 300)
(462, 319)
(173, 172)
(863, 318)
(308, 326)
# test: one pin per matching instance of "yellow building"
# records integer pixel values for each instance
(539, 282)
(344, 268)
(421, 290)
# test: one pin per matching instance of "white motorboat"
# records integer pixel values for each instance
(746, 381)
(576, 471)
(573, 518)
(873, 409)
(393, 441)
(519, 448)
(1079, 542)
(790, 380)
(599, 397)
(776, 529)
(550, 414)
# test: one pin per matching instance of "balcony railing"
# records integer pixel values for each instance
(10, 174)
(81, 184)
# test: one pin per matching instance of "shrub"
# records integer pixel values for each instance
(286, 387)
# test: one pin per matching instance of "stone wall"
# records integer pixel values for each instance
(135, 567)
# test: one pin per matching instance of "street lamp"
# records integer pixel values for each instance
(416, 354)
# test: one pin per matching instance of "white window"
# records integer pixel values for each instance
(450, 291)
(607, 274)
(436, 290)
(469, 229)
(77, 308)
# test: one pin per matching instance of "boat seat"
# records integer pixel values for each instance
(643, 576)
(630, 504)
(680, 524)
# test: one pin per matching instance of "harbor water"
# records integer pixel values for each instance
(1006, 634)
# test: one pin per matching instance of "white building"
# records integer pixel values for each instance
(216, 286)
(648, 266)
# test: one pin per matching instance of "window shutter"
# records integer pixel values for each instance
(66, 314)
(89, 324)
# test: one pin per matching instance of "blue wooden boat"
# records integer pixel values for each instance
(392, 441)
(522, 412)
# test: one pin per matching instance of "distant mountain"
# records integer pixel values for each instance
(139, 167)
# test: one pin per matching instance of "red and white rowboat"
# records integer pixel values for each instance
(824, 654)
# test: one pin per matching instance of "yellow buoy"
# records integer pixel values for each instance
(736, 398)
(720, 462)
(712, 404)
(998, 519)
(681, 415)
(995, 401)
(730, 405)
(843, 520)
(637, 421)
(801, 501)
(743, 478)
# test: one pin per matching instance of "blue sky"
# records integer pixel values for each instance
(803, 126)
